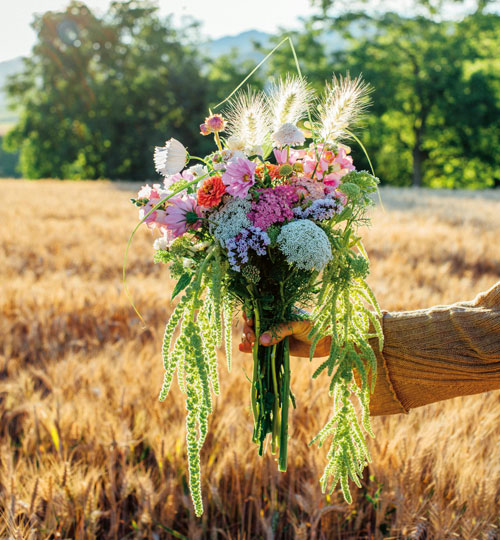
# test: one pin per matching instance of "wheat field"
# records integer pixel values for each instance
(87, 451)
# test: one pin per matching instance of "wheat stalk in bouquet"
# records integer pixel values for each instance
(267, 223)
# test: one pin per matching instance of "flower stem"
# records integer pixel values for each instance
(217, 140)
(285, 401)
(274, 436)
(255, 408)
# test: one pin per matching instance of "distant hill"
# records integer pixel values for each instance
(244, 43)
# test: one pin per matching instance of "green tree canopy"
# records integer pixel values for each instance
(98, 93)
(436, 92)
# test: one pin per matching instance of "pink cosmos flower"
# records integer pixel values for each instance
(181, 215)
(171, 180)
(239, 177)
(155, 219)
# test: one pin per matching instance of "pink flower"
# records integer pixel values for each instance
(148, 192)
(171, 180)
(215, 123)
(156, 218)
(205, 130)
(333, 179)
(294, 155)
(311, 190)
(343, 159)
(273, 206)
(182, 214)
(239, 177)
(280, 156)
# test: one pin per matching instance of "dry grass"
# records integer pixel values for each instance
(86, 451)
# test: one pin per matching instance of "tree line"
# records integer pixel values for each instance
(98, 93)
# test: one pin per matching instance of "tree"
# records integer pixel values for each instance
(436, 100)
(98, 93)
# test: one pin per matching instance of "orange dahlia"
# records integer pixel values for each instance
(211, 191)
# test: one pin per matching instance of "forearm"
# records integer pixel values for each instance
(438, 353)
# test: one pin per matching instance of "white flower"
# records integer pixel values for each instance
(201, 246)
(171, 158)
(187, 263)
(234, 143)
(230, 219)
(305, 244)
(163, 242)
(255, 150)
(288, 135)
(197, 170)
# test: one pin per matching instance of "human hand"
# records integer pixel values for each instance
(297, 331)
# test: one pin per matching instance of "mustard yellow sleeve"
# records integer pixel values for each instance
(438, 353)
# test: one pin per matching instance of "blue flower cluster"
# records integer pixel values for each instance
(248, 238)
(320, 210)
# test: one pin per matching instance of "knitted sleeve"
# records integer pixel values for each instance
(438, 353)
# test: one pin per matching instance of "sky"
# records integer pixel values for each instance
(219, 17)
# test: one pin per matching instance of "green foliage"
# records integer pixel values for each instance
(181, 284)
(436, 99)
(8, 162)
(436, 91)
(97, 94)
(341, 312)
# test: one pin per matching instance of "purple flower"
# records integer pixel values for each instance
(321, 209)
(238, 247)
(273, 206)
(239, 177)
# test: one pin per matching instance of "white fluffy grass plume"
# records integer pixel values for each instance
(248, 118)
(288, 100)
(343, 104)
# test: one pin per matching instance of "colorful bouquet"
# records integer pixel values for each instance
(267, 223)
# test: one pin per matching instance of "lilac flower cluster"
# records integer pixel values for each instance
(248, 238)
(321, 209)
(272, 207)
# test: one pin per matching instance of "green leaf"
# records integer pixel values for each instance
(183, 282)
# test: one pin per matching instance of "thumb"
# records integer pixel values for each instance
(281, 331)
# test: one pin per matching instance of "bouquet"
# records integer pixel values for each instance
(267, 224)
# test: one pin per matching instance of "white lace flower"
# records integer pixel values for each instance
(171, 158)
(305, 244)
(230, 219)
(288, 135)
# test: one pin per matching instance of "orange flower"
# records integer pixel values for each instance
(211, 191)
(273, 170)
